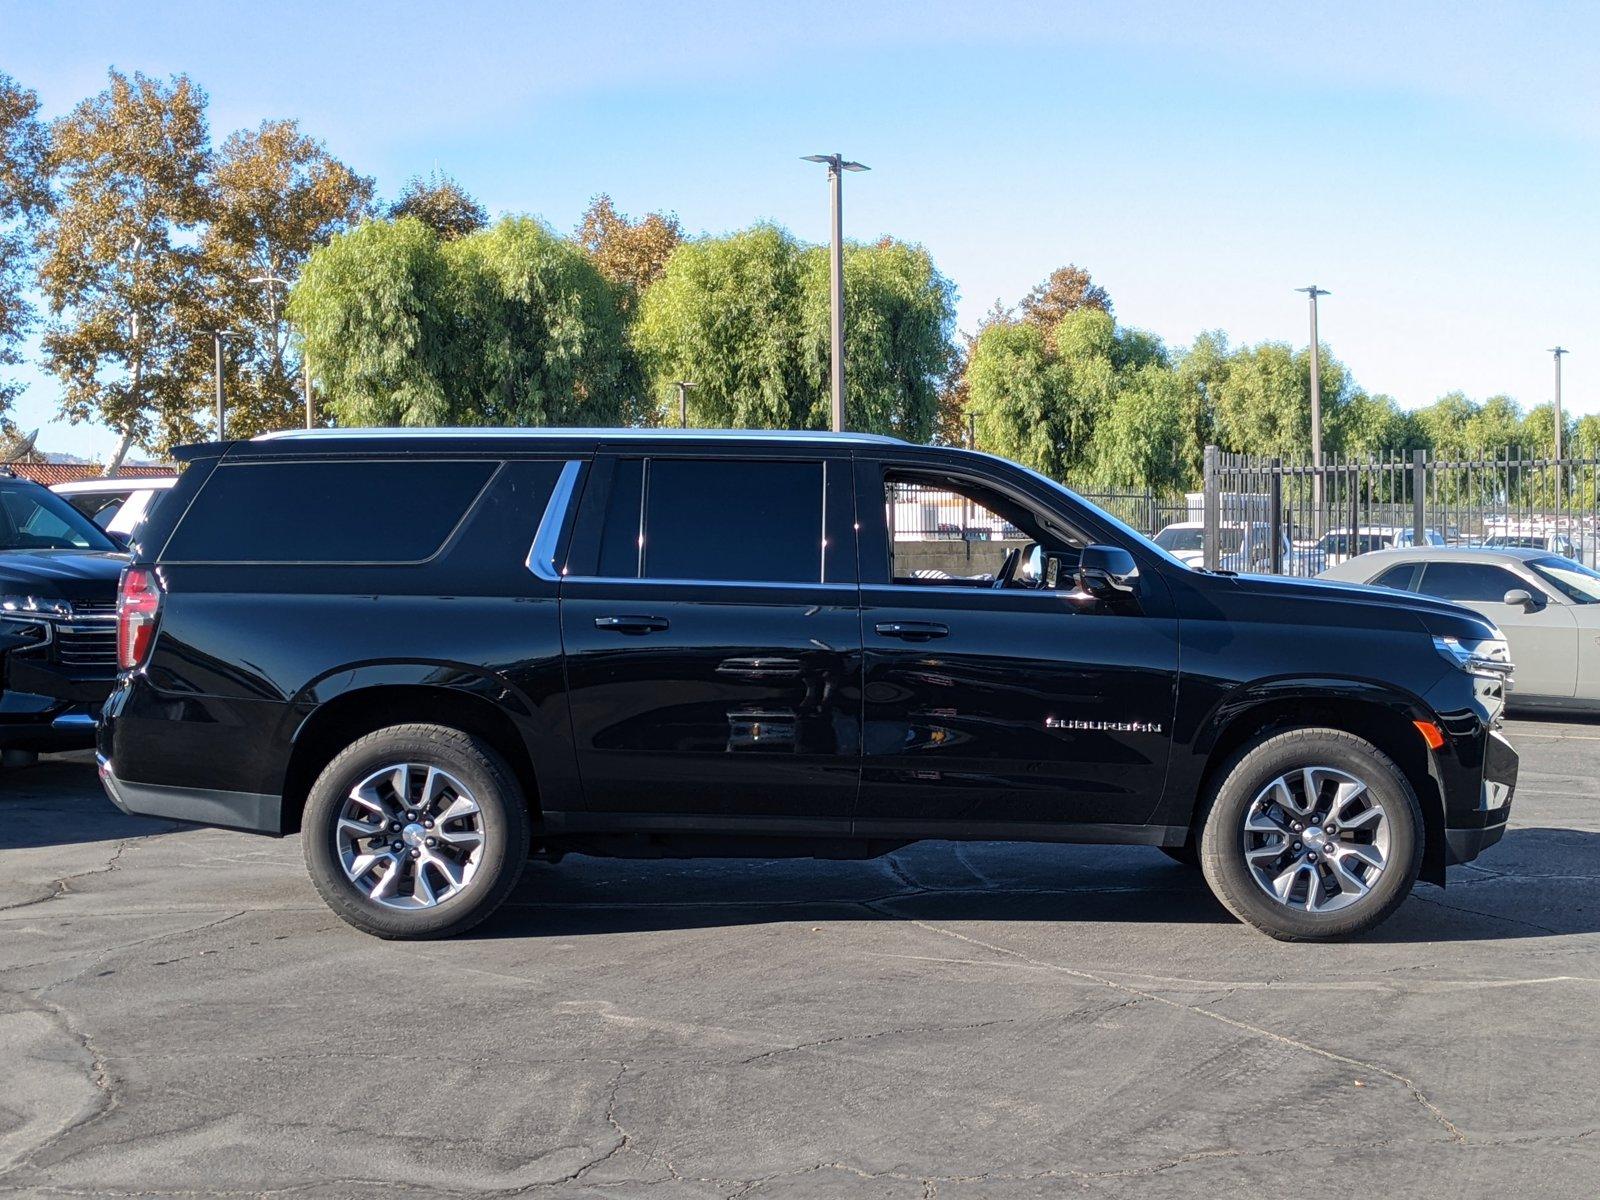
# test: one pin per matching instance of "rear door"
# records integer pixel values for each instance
(713, 642)
(1544, 640)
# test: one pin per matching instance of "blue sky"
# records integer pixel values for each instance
(1434, 166)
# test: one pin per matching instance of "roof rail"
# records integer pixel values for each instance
(552, 433)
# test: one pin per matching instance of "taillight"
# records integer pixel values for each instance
(138, 606)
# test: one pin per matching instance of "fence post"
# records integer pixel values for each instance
(1275, 517)
(1213, 496)
(1419, 491)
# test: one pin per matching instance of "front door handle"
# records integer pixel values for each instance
(912, 631)
(632, 624)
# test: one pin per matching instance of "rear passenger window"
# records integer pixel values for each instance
(720, 520)
(1397, 577)
(1468, 581)
(392, 511)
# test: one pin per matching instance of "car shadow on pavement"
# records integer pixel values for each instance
(1536, 885)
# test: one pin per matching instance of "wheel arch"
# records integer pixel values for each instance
(1383, 716)
(350, 714)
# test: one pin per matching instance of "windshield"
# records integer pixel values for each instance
(1364, 543)
(35, 518)
(1573, 580)
(1192, 538)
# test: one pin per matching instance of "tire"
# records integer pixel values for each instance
(1334, 889)
(459, 855)
(1186, 854)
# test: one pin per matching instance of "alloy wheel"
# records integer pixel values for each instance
(409, 836)
(1316, 839)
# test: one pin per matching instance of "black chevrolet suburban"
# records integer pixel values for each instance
(432, 652)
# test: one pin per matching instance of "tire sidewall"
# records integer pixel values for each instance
(1222, 849)
(503, 816)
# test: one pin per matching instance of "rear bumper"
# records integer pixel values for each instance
(252, 812)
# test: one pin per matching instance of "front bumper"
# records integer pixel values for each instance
(61, 729)
(251, 812)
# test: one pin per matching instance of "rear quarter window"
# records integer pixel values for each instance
(386, 511)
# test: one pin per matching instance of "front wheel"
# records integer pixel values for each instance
(415, 831)
(1313, 835)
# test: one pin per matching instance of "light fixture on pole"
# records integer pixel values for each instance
(1316, 406)
(837, 164)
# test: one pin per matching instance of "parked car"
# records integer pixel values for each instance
(448, 646)
(118, 504)
(1241, 545)
(58, 591)
(1547, 543)
(1547, 605)
(1338, 545)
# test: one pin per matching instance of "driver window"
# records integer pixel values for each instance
(947, 533)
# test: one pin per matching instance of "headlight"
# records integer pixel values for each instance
(29, 616)
(1490, 657)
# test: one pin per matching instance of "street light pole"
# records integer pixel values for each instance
(837, 165)
(218, 336)
(683, 403)
(1316, 407)
(1557, 352)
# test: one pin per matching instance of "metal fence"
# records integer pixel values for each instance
(921, 513)
(1322, 515)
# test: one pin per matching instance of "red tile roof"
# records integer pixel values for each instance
(50, 474)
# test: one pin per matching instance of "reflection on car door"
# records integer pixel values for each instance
(1543, 640)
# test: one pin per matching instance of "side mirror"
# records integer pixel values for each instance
(1518, 598)
(1107, 572)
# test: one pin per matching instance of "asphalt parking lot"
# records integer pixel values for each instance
(179, 1015)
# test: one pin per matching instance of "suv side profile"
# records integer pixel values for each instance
(454, 647)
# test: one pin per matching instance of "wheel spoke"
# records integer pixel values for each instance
(1259, 822)
(446, 858)
(1309, 781)
(459, 837)
(362, 863)
(1283, 883)
(387, 887)
(437, 785)
(422, 886)
(1343, 795)
(1348, 880)
(1367, 854)
(449, 869)
(1262, 856)
(354, 827)
(461, 806)
(1314, 888)
(1363, 819)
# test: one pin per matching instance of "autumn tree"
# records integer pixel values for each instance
(631, 255)
(278, 194)
(1068, 289)
(441, 204)
(120, 271)
(24, 200)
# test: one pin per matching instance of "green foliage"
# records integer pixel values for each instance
(441, 204)
(24, 200)
(508, 326)
(745, 319)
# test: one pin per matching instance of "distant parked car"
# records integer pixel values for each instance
(1550, 543)
(117, 505)
(1242, 546)
(1339, 545)
(1548, 607)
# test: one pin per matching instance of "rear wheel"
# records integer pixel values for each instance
(415, 831)
(1313, 834)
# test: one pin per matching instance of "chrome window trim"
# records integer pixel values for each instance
(546, 539)
(813, 585)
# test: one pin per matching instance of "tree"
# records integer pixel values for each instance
(1140, 442)
(543, 331)
(441, 204)
(1443, 424)
(726, 316)
(24, 200)
(1496, 426)
(633, 255)
(1015, 389)
(1373, 426)
(899, 319)
(1068, 289)
(120, 272)
(278, 195)
(510, 325)
(1262, 400)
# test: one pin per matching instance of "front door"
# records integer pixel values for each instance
(713, 643)
(997, 698)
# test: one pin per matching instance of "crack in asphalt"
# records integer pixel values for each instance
(1417, 1093)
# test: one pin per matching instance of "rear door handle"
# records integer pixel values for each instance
(912, 631)
(632, 624)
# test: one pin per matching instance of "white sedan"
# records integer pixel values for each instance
(1548, 607)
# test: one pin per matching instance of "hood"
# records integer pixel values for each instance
(1437, 616)
(84, 576)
